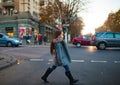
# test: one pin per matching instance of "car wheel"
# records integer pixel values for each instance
(101, 46)
(9, 44)
(78, 45)
(16, 45)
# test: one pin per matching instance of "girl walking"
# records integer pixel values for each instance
(62, 57)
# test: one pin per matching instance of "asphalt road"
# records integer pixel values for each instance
(89, 65)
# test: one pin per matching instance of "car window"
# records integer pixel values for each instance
(99, 34)
(117, 35)
(89, 37)
(1, 35)
(6, 36)
(108, 35)
(84, 37)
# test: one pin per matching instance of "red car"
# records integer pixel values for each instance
(81, 40)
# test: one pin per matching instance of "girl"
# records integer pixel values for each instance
(59, 48)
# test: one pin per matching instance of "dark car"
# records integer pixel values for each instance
(106, 39)
(6, 41)
(81, 40)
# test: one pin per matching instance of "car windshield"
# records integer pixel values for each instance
(6, 36)
(99, 34)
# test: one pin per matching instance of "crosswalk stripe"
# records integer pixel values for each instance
(96, 61)
(78, 61)
(36, 60)
(50, 60)
(75, 61)
(116, 61)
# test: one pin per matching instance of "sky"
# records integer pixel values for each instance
(97, 12)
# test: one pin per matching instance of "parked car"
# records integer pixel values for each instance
(6, 41)
(81, 40)
(106, 39)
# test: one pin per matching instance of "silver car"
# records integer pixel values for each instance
(10, 42)
(106, 39)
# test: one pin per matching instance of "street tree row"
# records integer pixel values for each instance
(63, 12)
(112, 23)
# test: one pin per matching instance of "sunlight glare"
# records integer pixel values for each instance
(97, 13)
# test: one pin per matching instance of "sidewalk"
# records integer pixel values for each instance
(6, 60)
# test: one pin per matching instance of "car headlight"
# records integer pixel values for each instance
(16, 41)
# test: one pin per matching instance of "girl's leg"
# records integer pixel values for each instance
(69, 75)
(53, 67)
(49, 70)
(67, 69)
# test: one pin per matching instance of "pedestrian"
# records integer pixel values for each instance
(45, 39)
(40, 39)
(28, 39)
(35, 39)
(59, 49)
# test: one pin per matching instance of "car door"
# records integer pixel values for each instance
(83, 40)
(109, 39)
(1, 40)
(117, 39)
(86, 40)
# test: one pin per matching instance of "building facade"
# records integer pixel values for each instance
(19, 18)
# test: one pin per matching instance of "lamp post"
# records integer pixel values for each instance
(58, 5)
(66, 25)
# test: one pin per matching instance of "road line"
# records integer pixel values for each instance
(116, 61)
(76, 61)
(96, 61)
(81, 61)
(50, 60)
(36, 60)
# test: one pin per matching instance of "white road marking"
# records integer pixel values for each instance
(50, 60)
(81, 61)
(36, 59)
(97, 61)
(116, 61)
(76, 61)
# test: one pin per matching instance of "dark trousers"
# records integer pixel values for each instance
(66, 67)
(40, 42)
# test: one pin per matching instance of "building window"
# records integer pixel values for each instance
(9, 31)
(10, 34)
(41, 3)
(8, 0)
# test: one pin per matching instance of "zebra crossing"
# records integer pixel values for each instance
(76, 61)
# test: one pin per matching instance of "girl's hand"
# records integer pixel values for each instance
(53, 52)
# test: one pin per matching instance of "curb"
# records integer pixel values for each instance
(8, 63)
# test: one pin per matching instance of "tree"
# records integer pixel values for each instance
(116, 22)
(112, 23)
(66, 10)
(76, 27)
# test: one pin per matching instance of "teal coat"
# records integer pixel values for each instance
(62, 55)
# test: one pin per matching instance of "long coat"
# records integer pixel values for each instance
(62, 56)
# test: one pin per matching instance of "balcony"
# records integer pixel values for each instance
(8, 4)
(7, 18)
(24, 15)
(41, 3)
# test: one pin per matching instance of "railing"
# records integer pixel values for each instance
(5, 4)
(8, 18)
